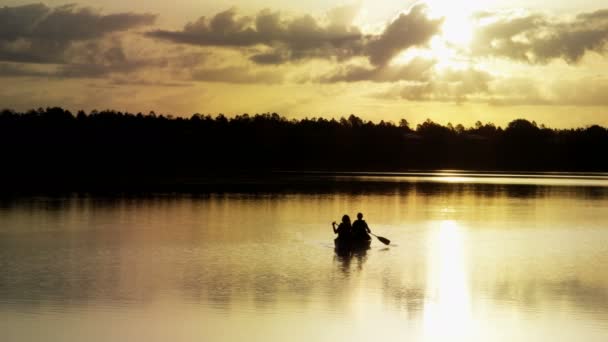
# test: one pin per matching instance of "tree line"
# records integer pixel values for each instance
(55, 143)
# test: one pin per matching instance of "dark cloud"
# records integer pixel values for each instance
(290, 38)
(305, 37)
(73, 42)
(539, 39)
(224, 29)
(21, 70)
(40, 34)
(408, 30)
(33, 51)
(64, 23)
(418, 69)
(79, 42)
(84, 60)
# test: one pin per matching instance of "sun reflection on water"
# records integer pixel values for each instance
(454, 179)
(447, 311)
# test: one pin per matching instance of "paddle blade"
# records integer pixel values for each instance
(384, 240)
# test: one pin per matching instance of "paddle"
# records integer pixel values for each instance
(382, 239)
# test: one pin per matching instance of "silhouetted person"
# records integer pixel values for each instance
(360, 230)
(344, 229)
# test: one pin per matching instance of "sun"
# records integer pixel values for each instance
(458, 31)
(449, 48)
(458, 24)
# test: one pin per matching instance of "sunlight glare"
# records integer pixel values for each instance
(449, 48)
(455, 179)
(458, 24)
(447, 313)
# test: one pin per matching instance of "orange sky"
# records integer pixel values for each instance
(492, 61)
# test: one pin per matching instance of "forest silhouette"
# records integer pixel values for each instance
(54, 145)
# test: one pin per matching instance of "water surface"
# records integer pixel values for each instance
(474, 257)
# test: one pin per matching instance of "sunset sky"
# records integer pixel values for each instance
(450, 61)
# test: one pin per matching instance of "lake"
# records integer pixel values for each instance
(473, 257)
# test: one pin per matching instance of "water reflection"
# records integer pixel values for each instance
(447, 312)
(345, 255)
(464, 258)
(592, 186)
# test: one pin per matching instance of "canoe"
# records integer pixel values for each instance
(344, 244)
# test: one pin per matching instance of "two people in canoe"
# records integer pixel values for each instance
(358, 231)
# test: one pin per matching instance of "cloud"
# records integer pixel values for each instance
(418, 69)
(236, 74)
(91, 59)
(275, 57)
(585, 91)
(20, 70)
(79, 42)
(458, 86)
(344, 16)
(40, 34)
(291, 39)
(536, 38)
(517, 91)
(406, 31)
(124, 81)
(450, 86)
(447, 86)
(65, 23)
(580, 92)
(75, 42)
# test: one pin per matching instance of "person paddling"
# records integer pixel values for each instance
(344, 228)
(360, 230)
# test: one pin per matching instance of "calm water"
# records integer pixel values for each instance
(473, 257)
